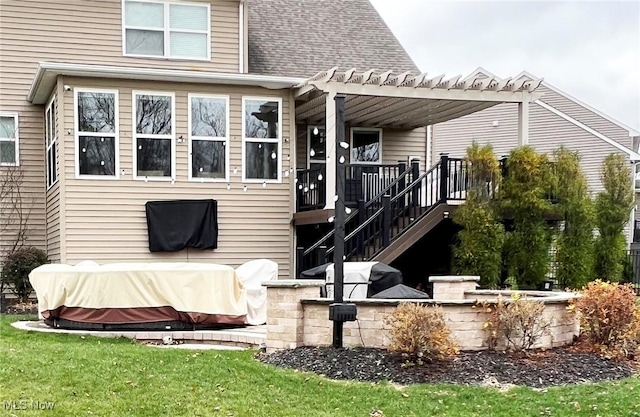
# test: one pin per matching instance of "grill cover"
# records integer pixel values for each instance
(175, 225)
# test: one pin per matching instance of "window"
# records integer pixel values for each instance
(8, 139)
(96, 133)
(261, 135)
(317, 147)
(154, 135)
(208, 137)
(366, 146)
(51, 141)
(167, 30)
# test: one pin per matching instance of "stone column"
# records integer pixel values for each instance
(452, 287)
(285, 326)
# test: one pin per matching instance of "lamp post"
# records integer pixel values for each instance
(339, 312)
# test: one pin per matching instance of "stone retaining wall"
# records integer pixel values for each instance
(298, 317)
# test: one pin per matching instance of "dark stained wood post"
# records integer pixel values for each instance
(444, 177)
(338, 251)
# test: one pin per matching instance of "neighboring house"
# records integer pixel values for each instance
(105, 106)
(555, 119)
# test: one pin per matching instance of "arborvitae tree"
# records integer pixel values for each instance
(525, 192)
(613, 206)
(575, 243)
(479, 247)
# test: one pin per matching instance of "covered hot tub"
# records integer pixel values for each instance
(149, 296)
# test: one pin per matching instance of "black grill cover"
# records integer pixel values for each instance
(175, 225)
(382, 276)
(401, 291)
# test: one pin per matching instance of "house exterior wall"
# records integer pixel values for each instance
(586, 116)
(90, 32)
(547, 131)
(105, 219)
(86, 32)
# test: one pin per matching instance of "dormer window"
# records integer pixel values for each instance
(167, 30)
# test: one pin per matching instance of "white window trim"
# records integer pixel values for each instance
(77, 134)
(277, 140)
(134, 134)
(366, 129)
(16, 140)
(54, 142)
(311, 159)
(167, 31)
(224, 139)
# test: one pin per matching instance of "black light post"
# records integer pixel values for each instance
(339, 312)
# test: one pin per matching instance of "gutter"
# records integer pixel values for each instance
(47, 73)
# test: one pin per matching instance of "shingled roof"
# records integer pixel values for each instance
(302, 37)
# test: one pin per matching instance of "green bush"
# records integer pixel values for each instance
(16, 267)
(613, 206)
(479, 245)
(524, 199)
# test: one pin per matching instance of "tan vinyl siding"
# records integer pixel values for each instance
(105, 219)
(53, 223)
(31, 148)
(453, 137)
(90, 32)
(547, 131)
(402, 145)
(586, 116)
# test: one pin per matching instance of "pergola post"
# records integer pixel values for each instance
(523, 123)
(330, 143)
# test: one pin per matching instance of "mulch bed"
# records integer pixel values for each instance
(539, 369)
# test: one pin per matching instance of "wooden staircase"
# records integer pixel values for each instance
(389, 223)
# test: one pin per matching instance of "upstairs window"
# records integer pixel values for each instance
(8, 139)
(167, 30)
(51, 140)
(208, 137)
(262, 135)
(96, 133)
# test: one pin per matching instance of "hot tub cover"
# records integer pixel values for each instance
(127, 293)
(401, 291)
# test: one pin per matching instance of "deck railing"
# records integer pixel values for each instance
(390, 212)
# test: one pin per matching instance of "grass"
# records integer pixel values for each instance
(87, 376)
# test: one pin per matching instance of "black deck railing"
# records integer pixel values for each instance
(387, 214)
(362, 182)
(636, 231)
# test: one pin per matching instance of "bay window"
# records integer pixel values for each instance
(262, 138)
(208, 137)
(51, 141)
(153, 135)
(96, 133)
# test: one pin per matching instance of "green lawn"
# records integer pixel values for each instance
(86, 376)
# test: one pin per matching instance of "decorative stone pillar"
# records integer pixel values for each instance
(285, 326)
(452, 287)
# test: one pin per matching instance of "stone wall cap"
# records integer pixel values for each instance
(454, 278)
(293, 283)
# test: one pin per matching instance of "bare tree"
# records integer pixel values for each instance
(14, 212)
(14, 209)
